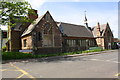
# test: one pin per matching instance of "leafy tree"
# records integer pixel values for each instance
(9, 10)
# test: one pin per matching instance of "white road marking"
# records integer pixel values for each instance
(111, 59)
(105, 60)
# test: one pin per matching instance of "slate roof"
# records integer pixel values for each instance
(73, 30)
(31, 26)
(102, 29)
(17, 25)
(67, 29)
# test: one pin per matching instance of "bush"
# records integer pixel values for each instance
(15, 55)
(4, 48)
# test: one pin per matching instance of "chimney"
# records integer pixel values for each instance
(32, 14)
(98, 26)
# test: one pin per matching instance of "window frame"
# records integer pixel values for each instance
(25, 42)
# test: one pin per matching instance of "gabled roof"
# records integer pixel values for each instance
(17, 23)
(17, 26)
(73, 30)
(102, 29)
(31, 26)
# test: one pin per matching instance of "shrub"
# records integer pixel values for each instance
(4, 48)
(15, 55)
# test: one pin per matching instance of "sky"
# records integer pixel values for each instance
(72, 11)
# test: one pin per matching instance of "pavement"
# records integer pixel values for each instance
(88, 65)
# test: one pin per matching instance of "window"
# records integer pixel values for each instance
(82, 42)
(47, 25)
(48, 40)
(79, 42)
(74, 43)
(71, 43)
(47, 28)
(68, 42)
(47, 17)
(25, 42)
(48, 37)
(39, 36)
(4, 34)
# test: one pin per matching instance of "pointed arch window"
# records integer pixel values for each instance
(48, 37)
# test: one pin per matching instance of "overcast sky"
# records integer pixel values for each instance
(72, 11)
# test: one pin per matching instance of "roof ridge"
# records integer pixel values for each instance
(72, 24)
(32, 26)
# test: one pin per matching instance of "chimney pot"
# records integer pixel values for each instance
(32, 14)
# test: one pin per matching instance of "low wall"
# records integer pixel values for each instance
(72, 49)
(53, 50)
(49, 50)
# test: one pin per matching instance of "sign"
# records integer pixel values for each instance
(27, 51)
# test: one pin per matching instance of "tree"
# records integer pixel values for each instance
(9, 10)
(13, 12)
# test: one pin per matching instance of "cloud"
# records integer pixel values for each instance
(36, 4)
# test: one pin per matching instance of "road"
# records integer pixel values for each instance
(103, 65)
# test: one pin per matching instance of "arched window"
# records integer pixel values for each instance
(47, 36)
(47, 29)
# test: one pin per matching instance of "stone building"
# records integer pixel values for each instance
(76, 37)
(104, 36)
(45, 36)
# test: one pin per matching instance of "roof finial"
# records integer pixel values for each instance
(98, 26)
(107, 23)
(85, 16)
(85, 21)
